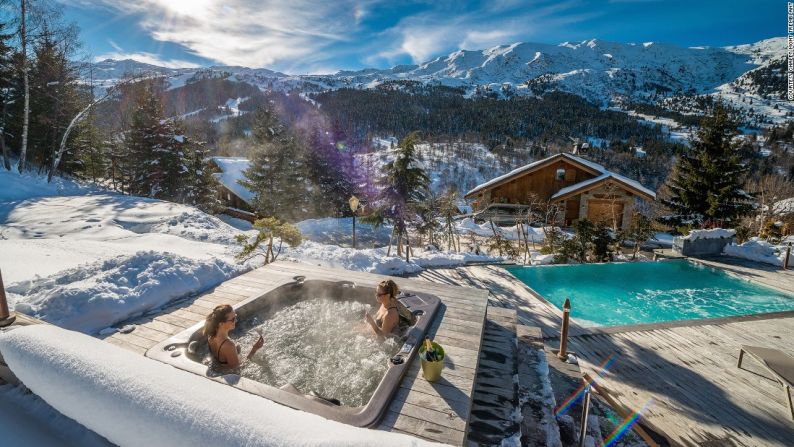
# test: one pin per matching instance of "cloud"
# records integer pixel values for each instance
(246, 32)
(143, 56)
(500, 22)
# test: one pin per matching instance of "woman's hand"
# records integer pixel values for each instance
(368, 319)
(259, 343)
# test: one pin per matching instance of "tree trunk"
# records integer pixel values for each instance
(391, 236)
(6, 160)
(23, 152)
(407, 247)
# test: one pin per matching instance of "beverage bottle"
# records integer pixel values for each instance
(430, 353)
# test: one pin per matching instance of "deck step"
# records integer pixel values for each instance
(495, 390)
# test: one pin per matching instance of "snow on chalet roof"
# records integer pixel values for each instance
(231, 171)
(594, 166)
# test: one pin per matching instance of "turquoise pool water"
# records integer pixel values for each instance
(649, 292)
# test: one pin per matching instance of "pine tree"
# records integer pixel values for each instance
(155, 149)
(405, 185)
(278, 172)
(331, 169)
(706, 184)
(199, 186)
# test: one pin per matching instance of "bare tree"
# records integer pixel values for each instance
(23, 151)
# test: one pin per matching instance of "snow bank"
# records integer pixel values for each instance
(760, 251)
(468, 225)
(714, 233)
(97, 295)
(331, 230)
(135, 401)
(15, 186)
(377, 261)
(26, 420)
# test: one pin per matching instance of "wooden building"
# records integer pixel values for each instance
(237, 199)
(581, 188)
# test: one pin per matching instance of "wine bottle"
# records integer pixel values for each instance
(430, 352)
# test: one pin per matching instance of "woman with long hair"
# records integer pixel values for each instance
(224, 352)
(387, 319)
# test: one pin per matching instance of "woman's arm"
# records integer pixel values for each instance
(259, 343)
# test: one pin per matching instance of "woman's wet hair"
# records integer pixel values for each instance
(390, 287)
(215, 318)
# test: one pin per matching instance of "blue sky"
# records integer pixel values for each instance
(323, 36)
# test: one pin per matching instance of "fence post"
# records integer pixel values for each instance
(566, 312)
(788, 253)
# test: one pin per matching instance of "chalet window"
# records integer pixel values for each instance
(228, 197)
(561, 174)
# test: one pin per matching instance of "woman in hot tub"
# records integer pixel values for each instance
(387, 319)
(224, 352)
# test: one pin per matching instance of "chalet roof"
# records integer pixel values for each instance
(593, 182)
(596, 169)
(231, 171)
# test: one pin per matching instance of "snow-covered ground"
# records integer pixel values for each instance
(135, 401)
(759, 250)
(331, 230)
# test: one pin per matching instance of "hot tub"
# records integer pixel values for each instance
(291, 349)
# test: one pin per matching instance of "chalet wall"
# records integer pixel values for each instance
(543, 182)
(613, 195)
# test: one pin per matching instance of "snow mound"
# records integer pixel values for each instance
(91, 297)
(377, 261)
(714, 233)
(16, 186)
(135, 401)
(468, 225)
(26, 420)
(331, 230)
(760, 251)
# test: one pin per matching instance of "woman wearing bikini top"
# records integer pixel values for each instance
(387, 320)
(223, 350)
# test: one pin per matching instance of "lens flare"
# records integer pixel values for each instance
(573, 398)
(625, 426)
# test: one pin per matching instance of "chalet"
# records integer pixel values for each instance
(581, 187)
(229, 171)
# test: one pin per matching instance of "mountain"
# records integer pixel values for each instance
(608, 74)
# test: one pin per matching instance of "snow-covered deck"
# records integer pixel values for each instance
(438, 411)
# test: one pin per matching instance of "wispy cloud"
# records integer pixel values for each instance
(142, 56)
(245, 32)
(300, 36)
(423, 35)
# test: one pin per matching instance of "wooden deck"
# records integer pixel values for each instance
(438, 411)
(700, 396)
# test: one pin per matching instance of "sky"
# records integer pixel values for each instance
(324, 36)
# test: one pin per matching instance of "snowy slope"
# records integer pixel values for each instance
(601, 71)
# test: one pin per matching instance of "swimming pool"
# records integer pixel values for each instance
(618, 294)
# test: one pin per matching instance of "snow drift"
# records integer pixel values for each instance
(135, 401)
(93, 296)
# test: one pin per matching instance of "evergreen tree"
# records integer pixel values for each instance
(199, 186)
(278, 172)
(332, 170)
(155, 151)
(7, 90)
(405, 185)
(706, 184)
(91, 159)
(55, 95)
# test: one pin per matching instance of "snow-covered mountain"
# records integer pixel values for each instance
(606, 73)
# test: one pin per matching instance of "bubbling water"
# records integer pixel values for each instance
(319, 345)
